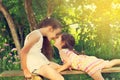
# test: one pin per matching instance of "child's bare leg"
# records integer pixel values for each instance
(113, 63)
(48, 72)
(97, 76)
(54, 65)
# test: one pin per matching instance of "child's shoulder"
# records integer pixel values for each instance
(64, 50)
(35, 31)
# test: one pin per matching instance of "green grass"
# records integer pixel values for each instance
(12, 78)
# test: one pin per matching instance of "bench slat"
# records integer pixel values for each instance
(109, 70)
(66, 72)
(12, 73)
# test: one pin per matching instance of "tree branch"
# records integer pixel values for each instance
(30, 14)
(11, 26)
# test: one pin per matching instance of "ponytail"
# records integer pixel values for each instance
(47, 48)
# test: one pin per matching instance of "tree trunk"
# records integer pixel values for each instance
(11, 26)
(30, 14)
(50, 6)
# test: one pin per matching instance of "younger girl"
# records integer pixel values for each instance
(89, 64)
(36, 52)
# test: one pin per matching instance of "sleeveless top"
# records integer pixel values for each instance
(35, 58)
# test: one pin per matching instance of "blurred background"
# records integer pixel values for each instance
(95, 24)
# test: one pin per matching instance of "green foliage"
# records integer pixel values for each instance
(12, 78)
(40, 9)
(78, 77)
(94, 24)
(9, 59)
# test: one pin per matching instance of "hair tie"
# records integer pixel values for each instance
(48, 17)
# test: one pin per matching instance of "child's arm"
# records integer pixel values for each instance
(63, 67)
(66, 61)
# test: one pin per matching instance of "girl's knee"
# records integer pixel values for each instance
(58, 77)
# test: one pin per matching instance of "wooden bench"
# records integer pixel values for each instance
(13, 73)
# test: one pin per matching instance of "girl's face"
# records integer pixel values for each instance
(58, 42)
(53, 33)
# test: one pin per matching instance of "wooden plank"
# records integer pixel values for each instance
(108, 70)
(18, 73)
(111, 70)
(67, 72)
(12, 73)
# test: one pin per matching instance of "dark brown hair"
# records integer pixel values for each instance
(69, 41)
(47, 48)
(49, 22)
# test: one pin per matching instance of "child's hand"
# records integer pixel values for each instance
(63, 67)
(70, 68)
(27, 74)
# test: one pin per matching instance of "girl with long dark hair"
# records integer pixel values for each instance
(37, 52)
